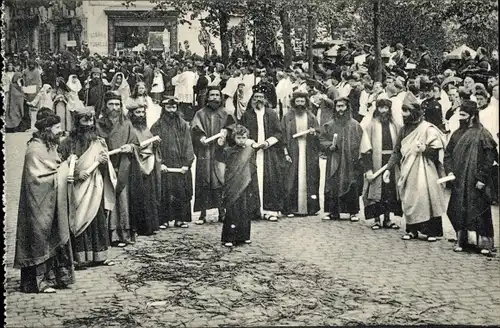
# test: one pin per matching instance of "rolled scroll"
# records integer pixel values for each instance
(115, 151)
(71, 173)
(174, 170)
(448, 178)
(149, 141)
(214, 137)
(334, 140)
(300, 134)
(379, 172)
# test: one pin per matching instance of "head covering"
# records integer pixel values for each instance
(469, 107)
(74, 86)
(95, 70)
(46, 118)
(112, 95)
(399, 46)
(82, 111)
(384, 102)
(259, 88)
(170, 100)
(410, 101)
(426, 84)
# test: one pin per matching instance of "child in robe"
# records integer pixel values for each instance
(241, 189)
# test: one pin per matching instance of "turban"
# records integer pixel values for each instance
(46, 119)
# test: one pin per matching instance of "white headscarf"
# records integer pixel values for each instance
(75, 86)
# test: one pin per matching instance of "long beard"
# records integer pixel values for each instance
(300, 109)
(213, 105)
(84, 135)
(170, 115)
(412, 118)
(383, 117)
(139, 122)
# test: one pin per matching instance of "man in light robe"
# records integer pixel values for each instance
(284, 90)
(419, 153)
(176, 153)
(302, 154)
(145, 177)
(473, 191)
(43, 248)
(93, 192)
(342, 166)
(229, 91)
(381, 131)
(117, 130)
(265, 128)
(207, 122)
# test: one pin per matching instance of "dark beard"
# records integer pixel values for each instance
(170, 115)
(139, 122)
(213, 105)
(300, 109)
(83, 135)
(412, 118)
(382, 117)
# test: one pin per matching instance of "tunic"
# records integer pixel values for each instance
(209, 172)
(119, 134)
(469, 155)
(43, 251)
(302, 183)
(342, 166)
(176, 150)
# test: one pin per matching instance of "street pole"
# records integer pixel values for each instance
(310, 42)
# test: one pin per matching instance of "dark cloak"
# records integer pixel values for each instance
(274, 157)
(289, 127)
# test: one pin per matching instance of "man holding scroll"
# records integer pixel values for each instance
(340, 140)
(301, 148)
(93, 190)
(117, 130)
(177, 157)
(207, 123)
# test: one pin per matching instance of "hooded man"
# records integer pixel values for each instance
(302, 154)
(117, 130)
(17, 114)
(207, 122)
(265, 128)
(145, 177)
(43, 251)
(469, 156)
(418, 150)
(381, 131)
(342, 183)
(93, 192)
(95, 90)
(177, 153)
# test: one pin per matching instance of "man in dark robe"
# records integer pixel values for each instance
(417, 151)
(118, 132)
(200, 88)
(207, 122)
(468, 157)
(342, 166)
(92, 192)
(269, 90)
(177, 152)
(302, 155)
(95, 90)
(241, 189)
(379, 198)
(265, 128)
(43, 248)
(145, 177)
(431, 106)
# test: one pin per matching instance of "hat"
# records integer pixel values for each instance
(95, 70)
(426, 84)
(411, 101)
(399, 46)
(384, 101)
(469, 107)
(259, 88)
(169, 100)
(300, 94)
(46, 118)
(82, 111)
(112, 95)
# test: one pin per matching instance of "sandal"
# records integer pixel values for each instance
(228, 244)
(272, 218)
(376, 226)
(108, 263)
(200, 222)
(408, 236)
(354, 218)
(181, 225)
(121, 245)
(248, 242)
(326, 218)
(49, 290)
(485, 252)
(390, 225)
(164, 226)
(290, 215)
(458, 249)
(431, 239)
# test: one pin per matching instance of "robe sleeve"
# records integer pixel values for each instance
(487, 155)
(276, 132)
(188, 151)
(448, 154)
(324, 139)
(396, 153)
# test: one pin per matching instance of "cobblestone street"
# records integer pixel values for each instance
(298, 271)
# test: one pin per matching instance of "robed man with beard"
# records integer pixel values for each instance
(265, 128)
(207, 122)
(145, 177)
(43, 248)
(177, 153)
(342, 165)
(92, 193)
(302, 155)
(381, 131)
(468, 156)
(117, 130)
(419, 151)
(95, 90)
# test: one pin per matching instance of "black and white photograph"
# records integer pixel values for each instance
(250, 163)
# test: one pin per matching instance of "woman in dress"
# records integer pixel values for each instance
(140, 99)
(119, 84)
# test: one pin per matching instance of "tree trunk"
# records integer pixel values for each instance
(224, 36)
(376, 31)
(287, 39)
